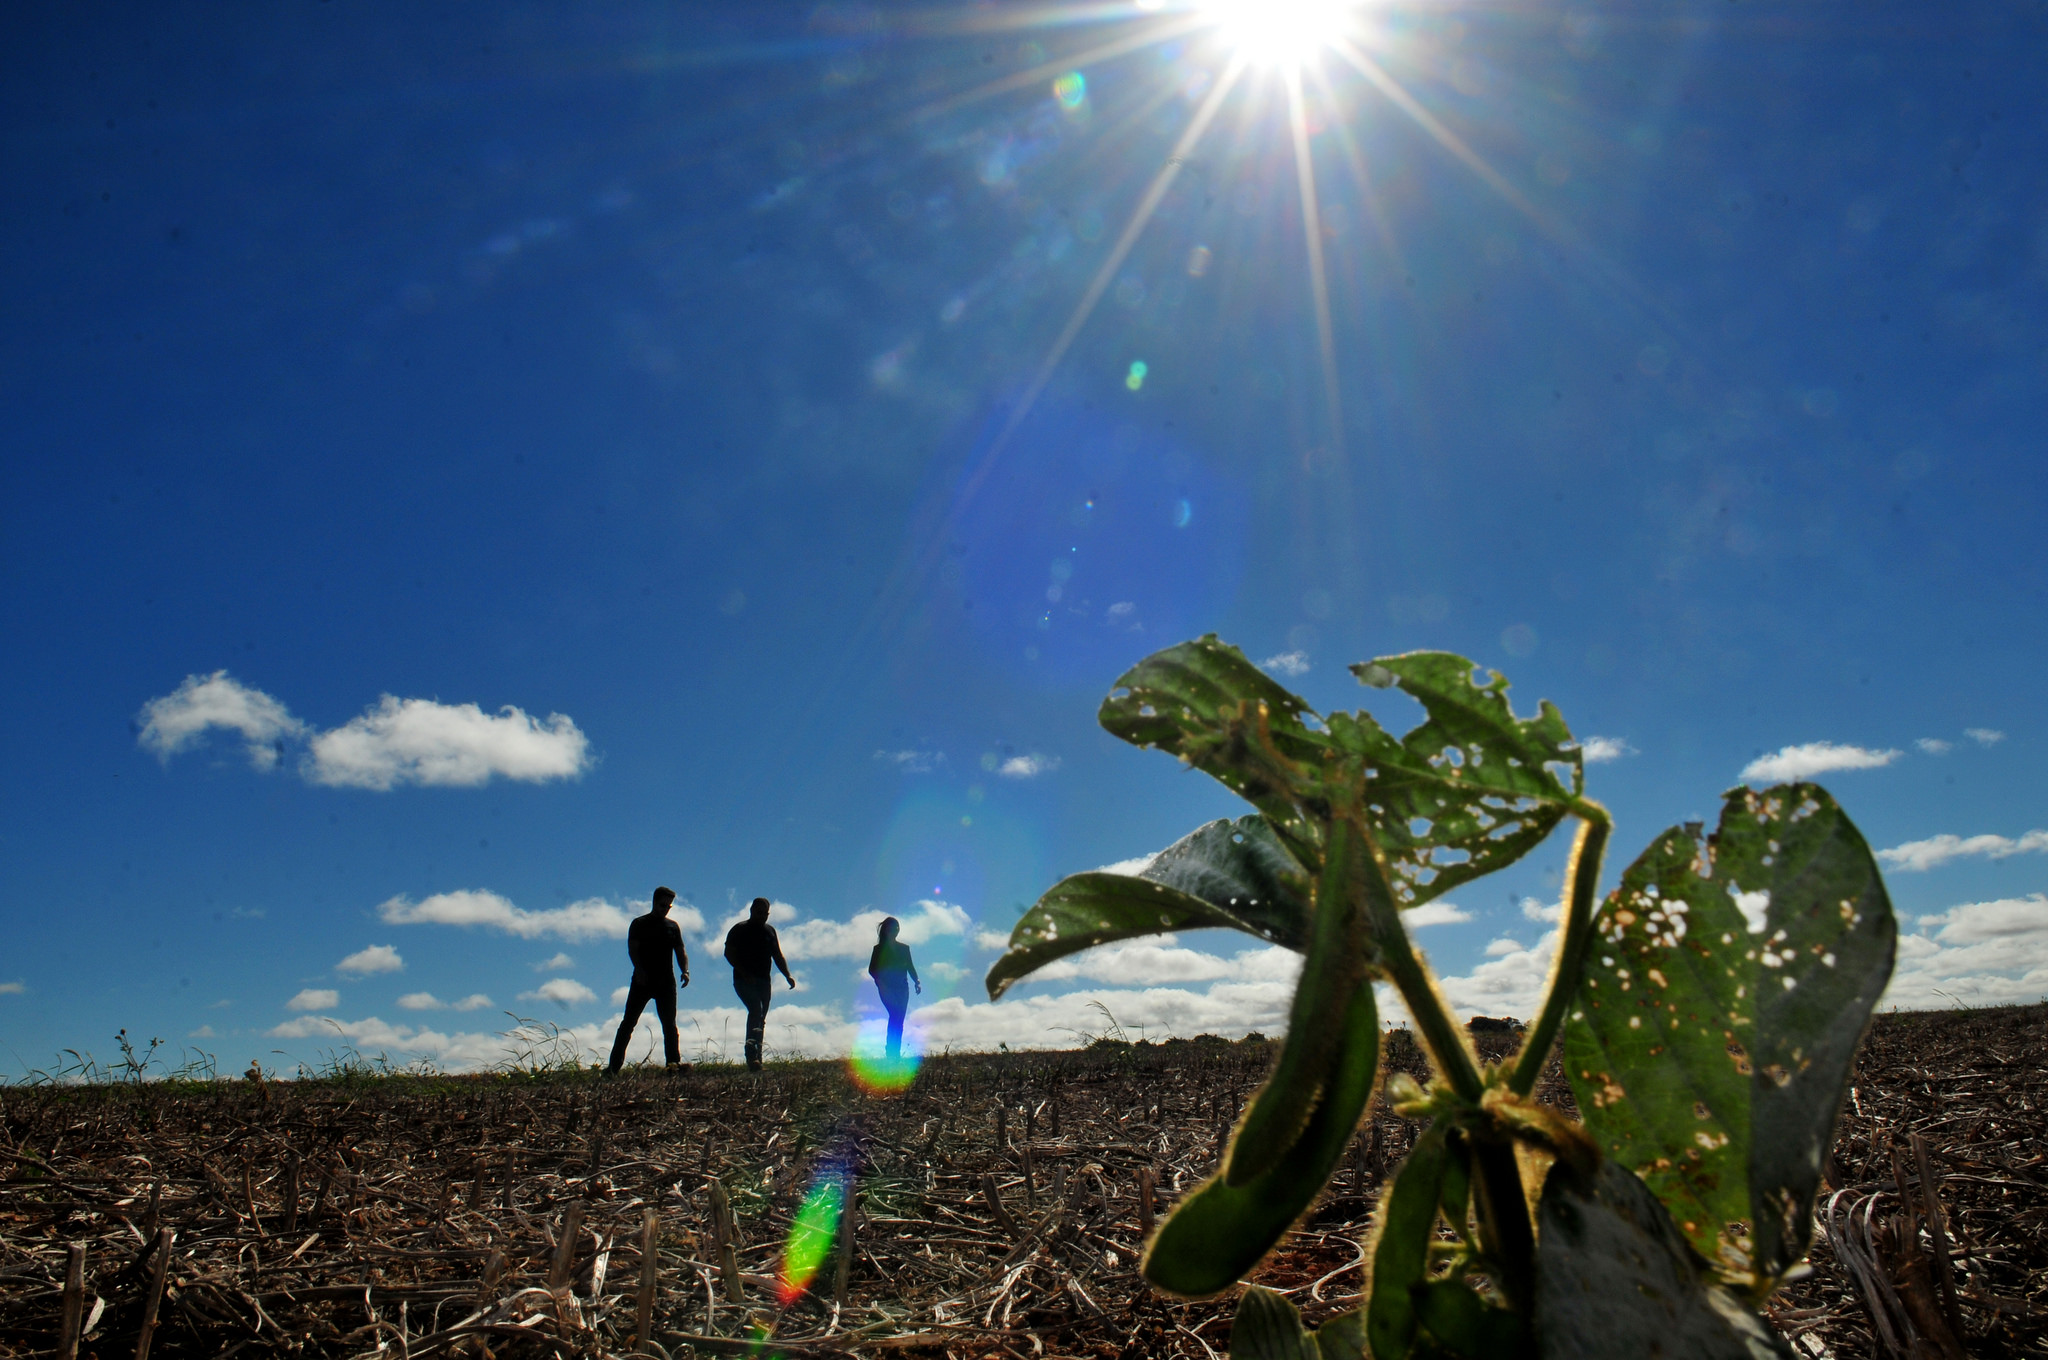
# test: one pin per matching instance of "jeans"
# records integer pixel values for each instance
(754, 994)
(662, 992)
(895, 1000)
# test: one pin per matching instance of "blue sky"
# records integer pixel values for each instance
(464, 467)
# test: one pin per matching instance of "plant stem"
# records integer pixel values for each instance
(1582, 886)
(1504, 1227)
(1439, 1033)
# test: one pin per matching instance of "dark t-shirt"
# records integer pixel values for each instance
(750, 947)
(651, 941)
(891, 960)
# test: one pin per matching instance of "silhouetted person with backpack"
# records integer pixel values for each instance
(650, 941)
(893, 972)
(750, 946)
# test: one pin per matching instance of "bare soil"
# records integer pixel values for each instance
(420, 1216)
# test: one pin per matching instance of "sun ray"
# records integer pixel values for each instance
(1140, 216)
(1447, 139)
(1150, 35)
(1312, 233)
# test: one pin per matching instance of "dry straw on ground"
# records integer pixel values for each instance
(1000, 1205)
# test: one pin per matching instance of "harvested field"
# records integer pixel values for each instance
(1000, 1201)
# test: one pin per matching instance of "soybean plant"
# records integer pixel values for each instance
(1708, 1008)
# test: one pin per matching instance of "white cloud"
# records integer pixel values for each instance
(179, 719)
(1435, 914)
(991, 939)
(1916, 856)
(203, 1032)
(593, 918)
(420, 741)
(1984, 736)
(619, 995)
(378, 958)
(1538, 910)
(1599, 750)
(1286, 663)
(1158, 959)
(559, 961)
(1934, 746)
(1815, 757)
(855, 938)
(561, 991)
(421, 1001)
(913, 762)
(314, 999)
(399, 741)
(1983, 953)
(1028, 766)
(13, 988)
(475, 1001)
(1131, 867)
(1509, 982)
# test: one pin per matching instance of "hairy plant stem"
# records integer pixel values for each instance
(1504, 1228)
(1582, 887)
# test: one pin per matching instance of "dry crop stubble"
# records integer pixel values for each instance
(429, 1209)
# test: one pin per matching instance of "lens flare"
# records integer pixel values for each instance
(811, 1235)
(1135, 379)
(879, 1075)
(1071, 90)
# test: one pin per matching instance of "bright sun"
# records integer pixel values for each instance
(1280, 32)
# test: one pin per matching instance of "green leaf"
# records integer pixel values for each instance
(1710, 1039)
(1471, 790)
(1400, 1258)
(1215, 1236)
(1085, 910)
(1334, 969)
(1242, 867)
(1205, 702)
(1615, 1280)
(1226, 874)
(1267, 1327)
(1454, 1315)
(1342, 1337)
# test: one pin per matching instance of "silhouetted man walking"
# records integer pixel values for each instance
(750, 947)
(650, 941)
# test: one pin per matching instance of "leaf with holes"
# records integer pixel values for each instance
(1616, 1281)
(1231, 874)
(1205, 702)
(1215, 1236)
(1471, 790)
(1725, 992)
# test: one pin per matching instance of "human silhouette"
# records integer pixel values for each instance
(893, 972)
(750, 946)
(650, 941)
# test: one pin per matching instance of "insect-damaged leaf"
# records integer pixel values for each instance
(1616, 1281)
(1205, 702)
(1218, 1233)
(1472, 789)
(1724, 994)
(1267, 1327)
(1231, 874)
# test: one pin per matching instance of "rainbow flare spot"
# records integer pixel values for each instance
(878, 1075)
(1135, 379)
(1071, 90)
(811, 1235)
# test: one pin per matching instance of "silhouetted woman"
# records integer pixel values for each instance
(892, 970)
